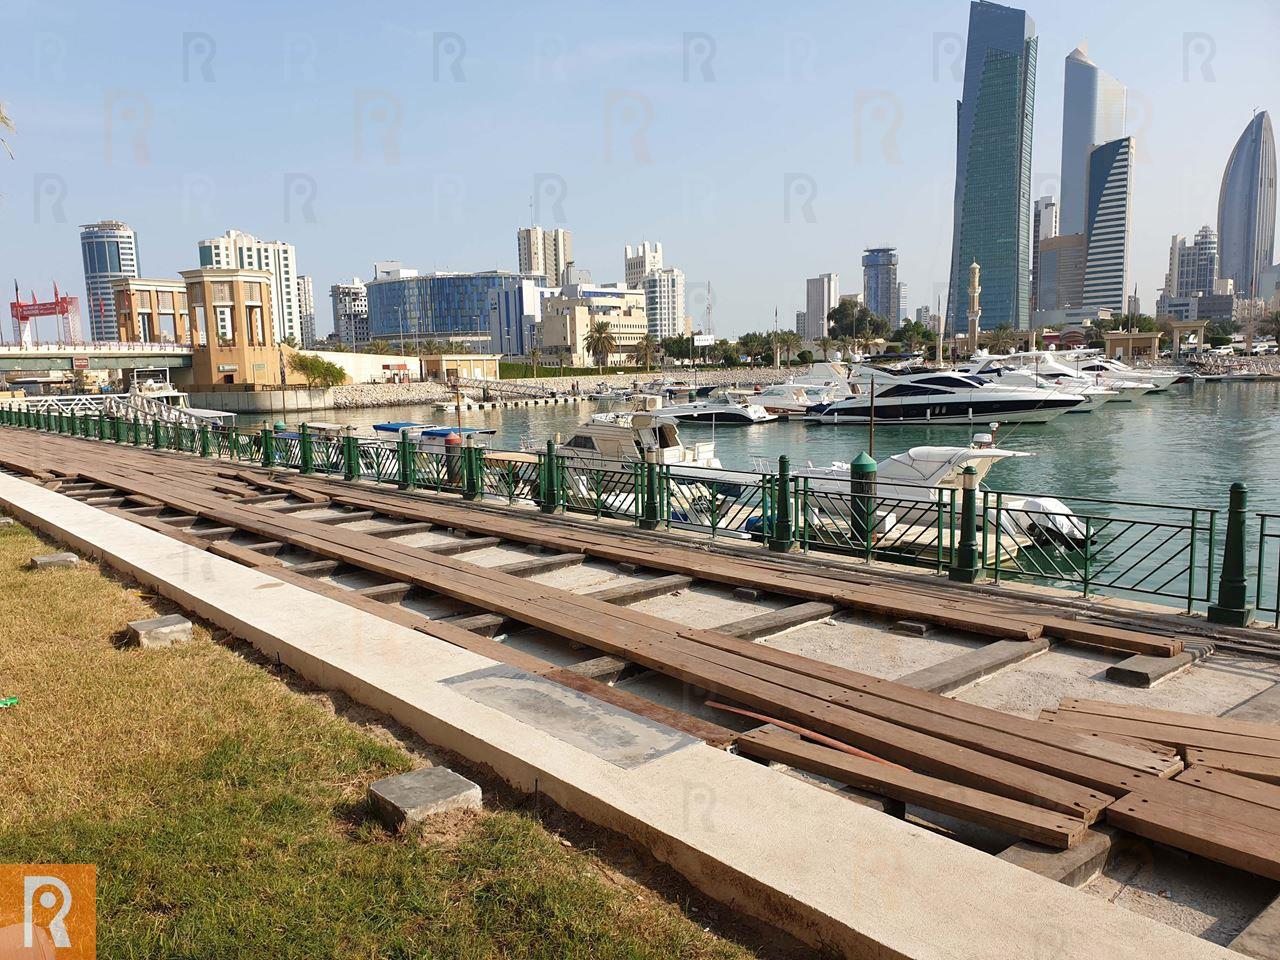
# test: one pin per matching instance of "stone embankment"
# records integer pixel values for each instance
(356, 395)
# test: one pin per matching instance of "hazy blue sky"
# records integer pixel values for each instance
(761, 144)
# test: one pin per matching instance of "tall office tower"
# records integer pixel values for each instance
(244, 251)
(802, 322)
(821, 296)
(880, 281)
(992, 215)
(1061, 276)
(306, 314)
(1193, 267)
(1044, 226)
(1108, 225)
(640, 261)
(545, 253)
(110, 251)
(664, 302)
(350, 311)
(1247, 207)
(903, 309)
(1093, 112)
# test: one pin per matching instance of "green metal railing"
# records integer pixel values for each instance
(1100, 546)
(1267, 575)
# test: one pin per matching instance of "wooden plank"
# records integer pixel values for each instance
(1172, 718)
(1237, 845)
(537, 565)
(1189, 796)
(1232, 785)
(1110, 638)
(644, 590)
(1259, 768)
(999, 813)
(1174, 736)
(775, 621)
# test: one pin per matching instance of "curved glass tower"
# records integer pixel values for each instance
(1093, 113)
(1247, 207)
(992, 224)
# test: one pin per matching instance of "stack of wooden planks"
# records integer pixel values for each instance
(1041, 781)
(1225, 805)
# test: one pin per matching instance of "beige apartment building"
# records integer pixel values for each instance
(151, 311)
(233, 327)
(567, 320)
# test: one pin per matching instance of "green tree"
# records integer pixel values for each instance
(600, 342)
(756, 346)
(317, 371)
(290, 341)
(535, 354)
(430, 348)
(849, 319)
(1271, 325)
(1003, 339)
(646, 350)
(789, 342)
(825, 344)
(378, 346)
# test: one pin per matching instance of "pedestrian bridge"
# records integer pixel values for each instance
(92, 356)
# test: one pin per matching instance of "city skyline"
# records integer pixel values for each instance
(373, 177)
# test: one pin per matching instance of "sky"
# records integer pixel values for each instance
(760, 143)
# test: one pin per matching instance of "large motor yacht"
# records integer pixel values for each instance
(1054, 367)
(610, 439)
(718, 411)
(940, 397)
(1011, 371)
(1092, 363)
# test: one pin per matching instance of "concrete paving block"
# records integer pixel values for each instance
(1144, 671)
(956, 672)
(914, 627)
(6, 522)
(1075, 866)
(747, 593)
(1261, 938)
(627, 568)
(410, 798)
(1263, 707)
(53, 560)
(160, 631)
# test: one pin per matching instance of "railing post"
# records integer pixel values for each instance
(306, 453)
(862, 503)
(350, 458)
(1232, 608)
(781, 541)
(404, 455)
(268, 447)
(75, 424)
(472, 472)
(157, 441)
(137, 431)
(649, 491)
(102, 426)
(550, 493)
(967, 568)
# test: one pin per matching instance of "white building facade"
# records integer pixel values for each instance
(821, 296)
(110, 252)
(640, 261)
(350, 311)
(544, 253)
(238, 250)
(306, 314)
(664, 302)
(1109, 225)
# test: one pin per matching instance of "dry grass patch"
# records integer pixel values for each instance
(225, 812)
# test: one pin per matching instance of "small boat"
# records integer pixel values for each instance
(718, 411)
(430, 436)
(613, 439)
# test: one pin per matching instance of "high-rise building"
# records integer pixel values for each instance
(640, 261)
(306, 314)
(350, 311)
(802, 322)
(1108, 225)
(437, 306)
(110, 252)
(544, 253)
(1044, 225)
(924, 315)
(664, 302)
(243, 251)
(992, 215)
(1247, 207)
(515, 315)
(880, 281)
(821, 296)
(1193, 267)
(903, 310)
(1062, 262)
(1133, 305)
(1093, 112)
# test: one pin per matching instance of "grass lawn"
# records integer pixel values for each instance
(225, 812)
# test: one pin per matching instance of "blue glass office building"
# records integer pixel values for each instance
(1247, 208)
(441, 306)
(992, 217)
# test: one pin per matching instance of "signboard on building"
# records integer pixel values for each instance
(704, 339)
(79, 363)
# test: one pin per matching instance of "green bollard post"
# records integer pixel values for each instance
(268, 447)
(157, 438)
(405, 460)
(1232, 608)
(781, 541)
(967, 567)
(472, 476)
(862, 492)
(306, 454)
(550, 486)
(137, 431)
(649, 513)
(350, 458)
(102, 426)
(206, 446)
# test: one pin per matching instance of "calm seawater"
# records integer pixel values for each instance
(1184, 446)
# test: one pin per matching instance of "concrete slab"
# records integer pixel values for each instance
(1262, 707)
(53, 561)
(410, 798)
(703, 605)
(1144, 671)
(1261, 938)
(1075, 866)
(915, 628)
(969, 667)
(835, 875)
(160, 631)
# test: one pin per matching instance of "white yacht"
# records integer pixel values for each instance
(1011, 371)
(610, 439)
(718, 411)
(1053, 366)
(939, 397)
(1093, 363)
(825, 383)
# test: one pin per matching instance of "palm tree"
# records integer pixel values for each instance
(535, 355)
(825, 344)
(789, 342)
(6, 123)
(646, 350)
(848, 346)
(600, 342)
(379, 346)
(1003, 339)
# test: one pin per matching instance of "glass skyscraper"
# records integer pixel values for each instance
(880, 281)
(1093, 113)
(1247, 207)
(992, 217)
(110, 251)
(1108, 224)
(439, 306)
